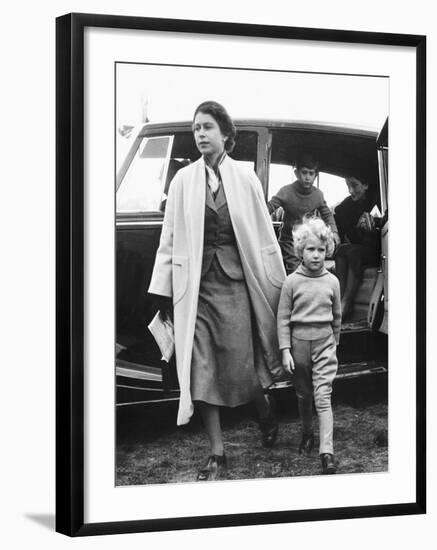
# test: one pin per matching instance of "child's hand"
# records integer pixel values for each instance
(287, 361)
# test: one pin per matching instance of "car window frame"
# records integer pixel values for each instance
(132, 153)
(154, 217)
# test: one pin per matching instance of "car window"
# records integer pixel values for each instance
(143, 185)
(338, 154)
(334, 188)
(279, 175)
(184, 152)
(245, 148)
(146, 183)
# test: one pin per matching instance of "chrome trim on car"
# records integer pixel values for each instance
(152, 401)
(124, 386)
(140, 372)
(136, 223)
(351, 370)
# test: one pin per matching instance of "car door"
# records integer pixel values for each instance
(382, 144)
(140, 189)
(340, 151)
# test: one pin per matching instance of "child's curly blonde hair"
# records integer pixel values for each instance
(312, 227)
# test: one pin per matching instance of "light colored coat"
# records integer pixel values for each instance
(178, 264)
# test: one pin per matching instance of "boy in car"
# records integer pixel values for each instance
(299, 200)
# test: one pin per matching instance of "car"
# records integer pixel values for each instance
(270, 147)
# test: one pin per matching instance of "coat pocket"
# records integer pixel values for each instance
(273, 265)
(180, 277)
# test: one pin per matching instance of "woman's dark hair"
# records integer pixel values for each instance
(220, 115)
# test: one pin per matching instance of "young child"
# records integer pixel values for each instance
(309, 322)
(298, 199)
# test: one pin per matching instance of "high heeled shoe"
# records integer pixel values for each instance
(216, 467)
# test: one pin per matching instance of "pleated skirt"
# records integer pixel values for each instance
(222, 368)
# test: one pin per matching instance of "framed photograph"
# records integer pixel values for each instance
(234, 317)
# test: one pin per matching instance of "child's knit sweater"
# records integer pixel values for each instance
(296, 202)
(309, 307)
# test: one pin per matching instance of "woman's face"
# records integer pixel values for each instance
(357, 189)
(209, 138)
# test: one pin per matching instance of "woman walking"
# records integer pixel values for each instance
(220, 269)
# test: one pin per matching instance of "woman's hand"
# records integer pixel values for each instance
(166, 313)
(287, 360)
(164, 305)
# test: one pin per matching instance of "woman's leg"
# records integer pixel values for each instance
(262, 404)
(216, 464)
(211, 420)
(266, 418)
(341, 267)
(354, 276)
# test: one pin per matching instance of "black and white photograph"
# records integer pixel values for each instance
(210, 339)
(227, 355)
(251, 275)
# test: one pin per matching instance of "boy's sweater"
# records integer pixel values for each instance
(298, 201)
(309, 307)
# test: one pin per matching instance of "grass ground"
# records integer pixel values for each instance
(151, 450)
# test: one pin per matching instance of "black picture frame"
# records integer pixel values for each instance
(70, 273)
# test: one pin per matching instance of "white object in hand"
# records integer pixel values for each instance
(163, 332)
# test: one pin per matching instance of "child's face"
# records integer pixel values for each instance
(313, 254)
(356, 188)
(306, 176)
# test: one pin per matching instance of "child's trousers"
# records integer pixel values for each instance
(291, 261)
(315, 363)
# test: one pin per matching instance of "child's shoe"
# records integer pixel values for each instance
(306, 444)
(328, 464)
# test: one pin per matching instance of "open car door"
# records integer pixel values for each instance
(382, 144)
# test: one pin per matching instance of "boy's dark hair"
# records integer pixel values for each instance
(220, 115)
(308, 160)
(356, 176)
